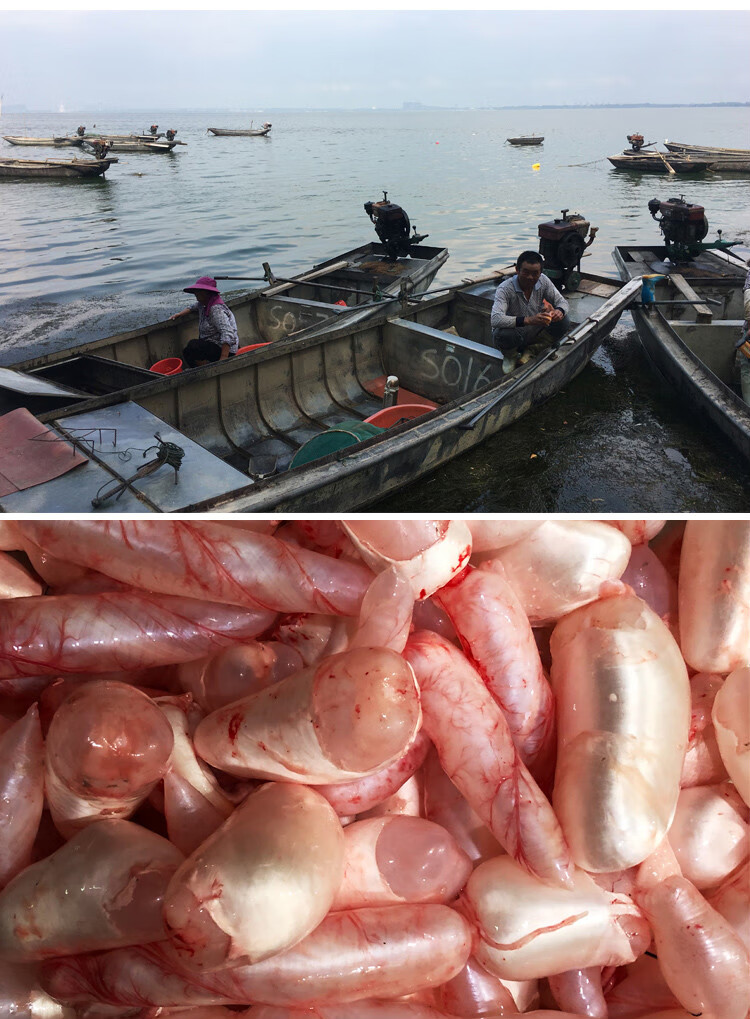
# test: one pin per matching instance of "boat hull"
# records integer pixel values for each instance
(270, 314)
(697, 359)
(223, 132)
(653, 164)
(707, 150)
(526, 140)
(56, 142)
(252, 417)
(51, 169)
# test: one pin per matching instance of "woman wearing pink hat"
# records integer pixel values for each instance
(217, 327)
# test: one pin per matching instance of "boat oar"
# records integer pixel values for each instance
(670, 168)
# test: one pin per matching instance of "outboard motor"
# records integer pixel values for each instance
(561, 245)
(684, 226)
(170, 135)
(80, 131)
(101, 148)
(392, 228)
(267, 126)
(154, 128)
(636, 142)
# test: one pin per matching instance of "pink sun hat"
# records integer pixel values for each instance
(203, 283)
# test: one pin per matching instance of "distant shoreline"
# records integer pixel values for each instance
(407, 107)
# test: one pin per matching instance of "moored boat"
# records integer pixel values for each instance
(722, 160)
(706, 150)
(51, 168)
(132, 145)
(350, 286)
(657, 162)
(57, 142)
(301, 424)
(249, 132)
(691, 323)
(526, 139)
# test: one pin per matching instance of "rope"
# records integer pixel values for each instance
(590, 162)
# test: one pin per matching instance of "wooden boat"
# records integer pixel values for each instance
(133, 137)
(349, 286)
(54, 167)
(133, 145)
(722, 160)
(692, 345)
(252, 430)
(250, 132)
(57, 142)
(707, 150)
(655, 162)
(526, 139)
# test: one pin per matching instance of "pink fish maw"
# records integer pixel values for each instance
(703, 959)
(383, 952)
(107, 746)
(21, 792)
(714, 595)
(395, 859)
(261, 882)
(347, 717)
(102, 889)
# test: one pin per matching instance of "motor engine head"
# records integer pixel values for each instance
(80, 131)
(562, 243)
(154, 128)
(101, 148)
(636, 142)
(683, 225)
(392, 227)
(171, 135)
(267, 126)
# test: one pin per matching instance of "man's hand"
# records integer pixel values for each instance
(542, 318)
(556, 315)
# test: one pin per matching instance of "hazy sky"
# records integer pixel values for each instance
(250, 60)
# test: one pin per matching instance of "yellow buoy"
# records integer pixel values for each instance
(536, 166)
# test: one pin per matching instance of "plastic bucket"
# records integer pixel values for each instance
(348, 433)
(389, 416)
(252, 346)
(168, 366)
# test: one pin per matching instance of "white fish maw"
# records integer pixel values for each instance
(529, 929)
(428, 569)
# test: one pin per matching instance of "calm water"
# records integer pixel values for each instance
(87, 258)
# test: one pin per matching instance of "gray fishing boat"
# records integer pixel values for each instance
(721, 160)
(58, 142)
(350, 286)
(54, 168)
(707, 150)
(132, 144)
(249, 132)
(657, 162)
(691, 321)
(328, 422)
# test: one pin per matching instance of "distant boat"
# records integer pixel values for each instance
(133, 144)
(58, 142)
(527, 139)
(54, 167)
(256, 132)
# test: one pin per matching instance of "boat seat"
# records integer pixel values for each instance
(702, 311)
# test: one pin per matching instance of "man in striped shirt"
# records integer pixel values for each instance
(524, 306)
